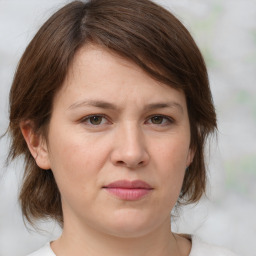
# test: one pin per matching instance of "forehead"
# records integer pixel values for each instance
(99, 73)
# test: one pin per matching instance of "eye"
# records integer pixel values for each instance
(94, 120)
(160, 120)
(157, 119)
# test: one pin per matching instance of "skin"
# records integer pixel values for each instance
(140, 131)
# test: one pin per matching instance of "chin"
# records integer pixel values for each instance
(130, 224)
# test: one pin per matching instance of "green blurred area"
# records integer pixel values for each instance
(241, 174)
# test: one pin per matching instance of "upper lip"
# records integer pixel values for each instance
(135, 184)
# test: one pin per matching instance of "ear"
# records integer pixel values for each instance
(190, 157)
(36, 144)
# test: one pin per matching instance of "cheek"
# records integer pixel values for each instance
(75, 160)
(171, 158)
(172, 153)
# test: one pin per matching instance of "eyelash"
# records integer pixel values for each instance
(168, 119)
(86, 119)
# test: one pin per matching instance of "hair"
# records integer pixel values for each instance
(138, 30)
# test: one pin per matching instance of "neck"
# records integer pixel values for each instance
(88, 241)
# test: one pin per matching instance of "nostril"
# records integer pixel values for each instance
(123, 163)
(120, 162)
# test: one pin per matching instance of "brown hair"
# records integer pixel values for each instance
(138, 30)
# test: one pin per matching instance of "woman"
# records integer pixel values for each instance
(111, 108)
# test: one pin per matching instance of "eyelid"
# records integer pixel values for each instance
(168, 118)
(86, 118)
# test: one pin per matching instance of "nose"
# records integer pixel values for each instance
(129, 148)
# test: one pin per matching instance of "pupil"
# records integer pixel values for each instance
(96, 120)
(157, 119)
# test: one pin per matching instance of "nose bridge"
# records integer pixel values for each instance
(130, 147)
(133, 138)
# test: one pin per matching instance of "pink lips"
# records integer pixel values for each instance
(129, 190)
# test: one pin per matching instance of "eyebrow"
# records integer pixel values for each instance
(107, 105)
(93, 103)
(172, 104)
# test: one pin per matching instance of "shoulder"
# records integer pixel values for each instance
(44, 251)
(200, 248)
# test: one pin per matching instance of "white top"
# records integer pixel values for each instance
(199, 248)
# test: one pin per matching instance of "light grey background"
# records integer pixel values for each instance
(226, 33)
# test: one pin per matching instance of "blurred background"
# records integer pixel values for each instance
(226, 33)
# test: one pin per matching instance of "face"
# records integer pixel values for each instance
(118, 145)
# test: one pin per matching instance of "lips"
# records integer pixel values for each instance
(128, 190)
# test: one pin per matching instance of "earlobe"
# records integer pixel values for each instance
(190, 157)
(36, 144)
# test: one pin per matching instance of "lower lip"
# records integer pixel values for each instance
(129, 194)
